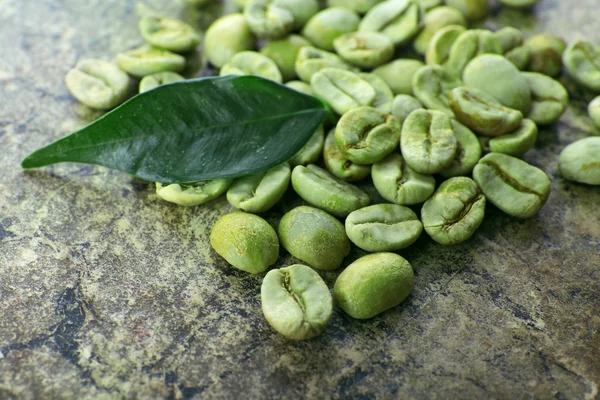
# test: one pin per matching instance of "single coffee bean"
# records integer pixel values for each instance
(267, 20)
(432, 85)
(98, 84)
(245, 241)
(360, 6)
(227, 36)
(342, 90)
(546, 54)
(398, 183)
(582, 62)
(252, 63)
(169, 34)
(516, 143)
(373, 284)
(311, 151)
(510, 38)
(515, 187)
(427, 142)
(319, 188)
(383, 94)
(329, 24)
(436, 19)
(549, 98)
(520, 57)
(302, 10)
(468, 152)
(398, 74)
(472, 10)
(594, 111)
(301, 87)
(427, 5)
(403, 105)
(284, 53)
(366, 135)
(580, 161)
(193, 194)
(483, 113)
(470, 44)
(366, 50)
(399, 20)
(519, 3)
(147, 60)
(339, 165)
(258, 192)
(314, 237)
(310, 60)
(161, 78)
(296, 302)
(441, 43)
(454, 212)
(383, 227)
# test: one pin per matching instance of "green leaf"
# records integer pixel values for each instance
(195, 130)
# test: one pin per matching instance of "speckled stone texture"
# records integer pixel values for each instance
(108, 292)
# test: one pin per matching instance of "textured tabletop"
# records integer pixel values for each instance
(108, 292)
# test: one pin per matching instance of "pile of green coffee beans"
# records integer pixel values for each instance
(464, 110)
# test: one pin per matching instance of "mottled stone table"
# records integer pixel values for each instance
(108, 292)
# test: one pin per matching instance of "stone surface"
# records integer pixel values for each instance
(108, 292)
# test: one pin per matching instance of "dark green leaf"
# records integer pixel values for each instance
(194, 130)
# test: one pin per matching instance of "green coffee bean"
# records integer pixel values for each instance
(267, 20)
(497, 76)
(150, 82)
(483, 113)
(510, 38)
(314, 237)
(520, 57)
(284, 52)
(549, 98)
(468, 152)
(311, 151)
(398, 183)
(245, 241)
(338, 165)
(147, 60)
(373, 284)
(427, 5)
(302, 10)
(469, 45)
(383, 94)
(441, 43)
(360, 6)
(582, 62)
(427, 142)
(516, 143)
(364, 49)
(193, 194)
(169, 34)
(594, 111)
(341, 89)
(319, 188)
(398, 20)
(366, 135)
(403, 106)
(436, 19)
(300, 87)
(383, 227)
(512, 185)
(311, 60)
(432, 85)
(580, 161)
(296, 302)
(329, 24)
(252, 63)
(519, 3)
(454, 212)
(398, 75)
(471, 9)
(258, 192)
(98, 84)
(546, 54)
(227, 36)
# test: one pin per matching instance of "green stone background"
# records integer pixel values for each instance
(108, 292)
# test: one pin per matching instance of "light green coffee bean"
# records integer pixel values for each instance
(469, 45)
(227, 36)
(296, 302)
(267, 20)
(383, 227)
(311, 151)
(383, 94)
(510, 38)
(360, 6)
(580, 161)
(366, 135)
(300, 87)
(582, 62)
(497, 76)
(432, 85)
(321, 189)
(515, 143)
(258, 192)
(439, 47)
(399, 20)
(549, 98)
(169, 34)
(519, 3)
(252, 63)
(338, 165)
(520, 57)
(311, 60)
(147, 60)
(150, 82)
(373, 284)
(98, 84)
(366, 50)
(193, 194)
(302, 10)
(427, 5)
(404, 105)
(594, 111)
(329, 24)
(483, 113)
(472, 10)
(546, 54)
(398, 74)
(468, 152)
(515, 187)
(454, 212)
(284, 52)
(427, 142)
(398, 183)
(342, 90)
(314, 237)
(436, 19)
